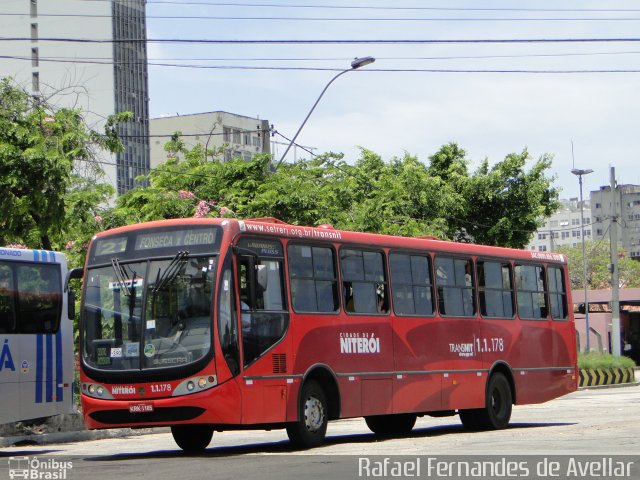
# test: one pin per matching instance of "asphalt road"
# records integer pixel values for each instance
(597, 423)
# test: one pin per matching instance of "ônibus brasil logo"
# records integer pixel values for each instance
(38, 468)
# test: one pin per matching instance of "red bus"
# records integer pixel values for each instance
(208, 325)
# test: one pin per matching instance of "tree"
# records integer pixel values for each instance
(40, 146)
(500, 205)
(598, 260)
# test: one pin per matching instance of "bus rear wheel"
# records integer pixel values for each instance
(390, 425)
(497, 411)
(192, 438)
(310, 429)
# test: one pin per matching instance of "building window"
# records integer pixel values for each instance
(35, 82)
(34, 8)
(34, 31)
(226, 134)
(35, 58)
(598, 205)
(246, 138)
(237, 136)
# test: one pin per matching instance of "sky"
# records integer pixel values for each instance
(574, 100)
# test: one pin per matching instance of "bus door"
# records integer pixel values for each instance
(264, 319)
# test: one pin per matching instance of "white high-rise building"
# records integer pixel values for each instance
(563, 228)
(89, 55)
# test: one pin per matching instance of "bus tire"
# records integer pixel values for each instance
(192, 438)
(391, 425)
(310, 429)
(497, 411)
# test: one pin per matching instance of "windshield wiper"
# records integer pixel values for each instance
(171, 272)
(121, 276)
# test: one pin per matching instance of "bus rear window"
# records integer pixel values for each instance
(30, 298)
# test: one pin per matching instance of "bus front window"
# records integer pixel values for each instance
(148, 315)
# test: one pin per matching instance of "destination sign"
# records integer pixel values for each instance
(175, 238)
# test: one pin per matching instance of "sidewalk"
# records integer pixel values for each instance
(61, 429)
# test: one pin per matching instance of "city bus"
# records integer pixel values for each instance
(36, 335)
(209, 325)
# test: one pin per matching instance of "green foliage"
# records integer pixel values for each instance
(500, 205)
(39, 149)
(598, 259)
(594, 360)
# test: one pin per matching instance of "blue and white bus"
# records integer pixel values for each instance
(36, 335)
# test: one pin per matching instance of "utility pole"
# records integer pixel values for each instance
(615, 281)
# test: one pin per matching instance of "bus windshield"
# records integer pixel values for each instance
(148, 314)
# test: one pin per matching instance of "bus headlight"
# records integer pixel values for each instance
(92, 389)
(188, 385)
(100, 390)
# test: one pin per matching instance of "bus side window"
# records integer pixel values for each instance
(364, 283)
(496, 289)
(411, 284)
(314, 283)
(454, 281)
(530, 286)
(557, 294)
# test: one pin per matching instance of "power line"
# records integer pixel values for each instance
(331, 41)
(371, 7)
(345, 19)
(77, 59)
(371, 70)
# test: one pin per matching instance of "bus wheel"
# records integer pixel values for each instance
(497, 411)
(389, 425)
(311, 427)
(192, 438)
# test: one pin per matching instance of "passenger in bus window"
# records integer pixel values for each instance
(381, 302)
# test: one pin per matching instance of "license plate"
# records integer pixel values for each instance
(140, 407)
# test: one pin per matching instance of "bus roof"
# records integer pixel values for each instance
(28, 255)
(273, 227)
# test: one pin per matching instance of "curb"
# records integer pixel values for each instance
(606, 376)
(75, 436)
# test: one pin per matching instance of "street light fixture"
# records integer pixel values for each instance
(355, 64)
(579, 173)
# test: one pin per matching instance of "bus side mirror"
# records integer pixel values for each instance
(71, 296)
(71, 304)
(72, 274)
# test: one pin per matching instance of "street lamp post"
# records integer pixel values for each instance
(580, 173)
(355, 64)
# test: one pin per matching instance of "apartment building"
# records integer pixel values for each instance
(89, 55)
